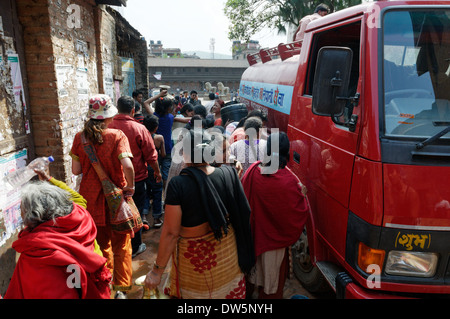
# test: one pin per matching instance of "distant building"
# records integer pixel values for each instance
(157, 50)
(191, 56)
(192, 74)
(242, 50)
(172, 52)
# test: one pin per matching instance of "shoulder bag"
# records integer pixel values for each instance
(124, 215)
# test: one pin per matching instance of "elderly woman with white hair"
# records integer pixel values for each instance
(57, 247)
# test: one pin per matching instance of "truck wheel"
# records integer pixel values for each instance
(309, 276)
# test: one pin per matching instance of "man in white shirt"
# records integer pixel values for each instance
(252, 148)
(209, 104)
(320, 11)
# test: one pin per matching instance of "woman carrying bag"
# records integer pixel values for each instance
(113, 154)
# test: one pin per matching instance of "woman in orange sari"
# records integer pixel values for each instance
(114, 153)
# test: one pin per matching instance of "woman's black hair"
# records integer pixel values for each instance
(252, 113)
(151, 122)
(137, 106)
(282, 153)
(188, 107)
(198, 143)
(252, 126)
(200, 110)
(163, 105)
(190, 125)
(209, 122)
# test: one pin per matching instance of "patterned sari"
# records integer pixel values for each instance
(205, 268)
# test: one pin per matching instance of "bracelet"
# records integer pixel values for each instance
(158, 266)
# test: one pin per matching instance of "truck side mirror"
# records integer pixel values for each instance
(331, 81)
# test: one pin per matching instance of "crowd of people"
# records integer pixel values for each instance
(227, 224)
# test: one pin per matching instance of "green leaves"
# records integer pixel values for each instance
(248, 17)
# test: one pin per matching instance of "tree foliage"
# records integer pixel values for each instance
(248, 17)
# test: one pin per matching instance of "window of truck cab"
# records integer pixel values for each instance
(416, 72)
(348, 35)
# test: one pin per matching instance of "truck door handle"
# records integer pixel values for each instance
(297, 157)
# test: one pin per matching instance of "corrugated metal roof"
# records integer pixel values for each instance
(206, 63)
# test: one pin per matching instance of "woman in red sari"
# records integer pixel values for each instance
(279, 212)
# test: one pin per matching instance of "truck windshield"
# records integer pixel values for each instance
(416, 71)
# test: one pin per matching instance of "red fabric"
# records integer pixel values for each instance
(139, 118)
(218, 122)
(238, 134)
(279, 209)
(141, 143)
(115, 146)
(48, 250)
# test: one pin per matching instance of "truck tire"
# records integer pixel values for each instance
(309, 275)
(233, 112)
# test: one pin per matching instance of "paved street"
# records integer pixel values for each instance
(143, 263)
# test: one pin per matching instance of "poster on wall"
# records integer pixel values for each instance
(10, 218)
(129, 83)
(63, 74)
(108, 82)
(16, 78)
(117, 89)
(82, 84)
(82, 78)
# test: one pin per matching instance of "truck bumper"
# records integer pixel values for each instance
(346, 289)
(353, 291)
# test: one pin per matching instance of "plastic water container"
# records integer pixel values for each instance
(233, 112)
(22, 175)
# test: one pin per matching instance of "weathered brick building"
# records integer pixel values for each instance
(54, 54)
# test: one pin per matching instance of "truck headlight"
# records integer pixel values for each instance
(417, 264)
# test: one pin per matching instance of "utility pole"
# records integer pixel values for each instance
(212, 46)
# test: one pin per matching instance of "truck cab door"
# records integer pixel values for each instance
(324, 146)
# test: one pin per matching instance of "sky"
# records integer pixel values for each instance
(188, 24)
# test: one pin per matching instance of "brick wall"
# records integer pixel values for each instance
(61, 62)
(131, 44)
(67, 62)
(107, 60)
(69, 53)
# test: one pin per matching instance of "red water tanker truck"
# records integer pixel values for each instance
(365, 101)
